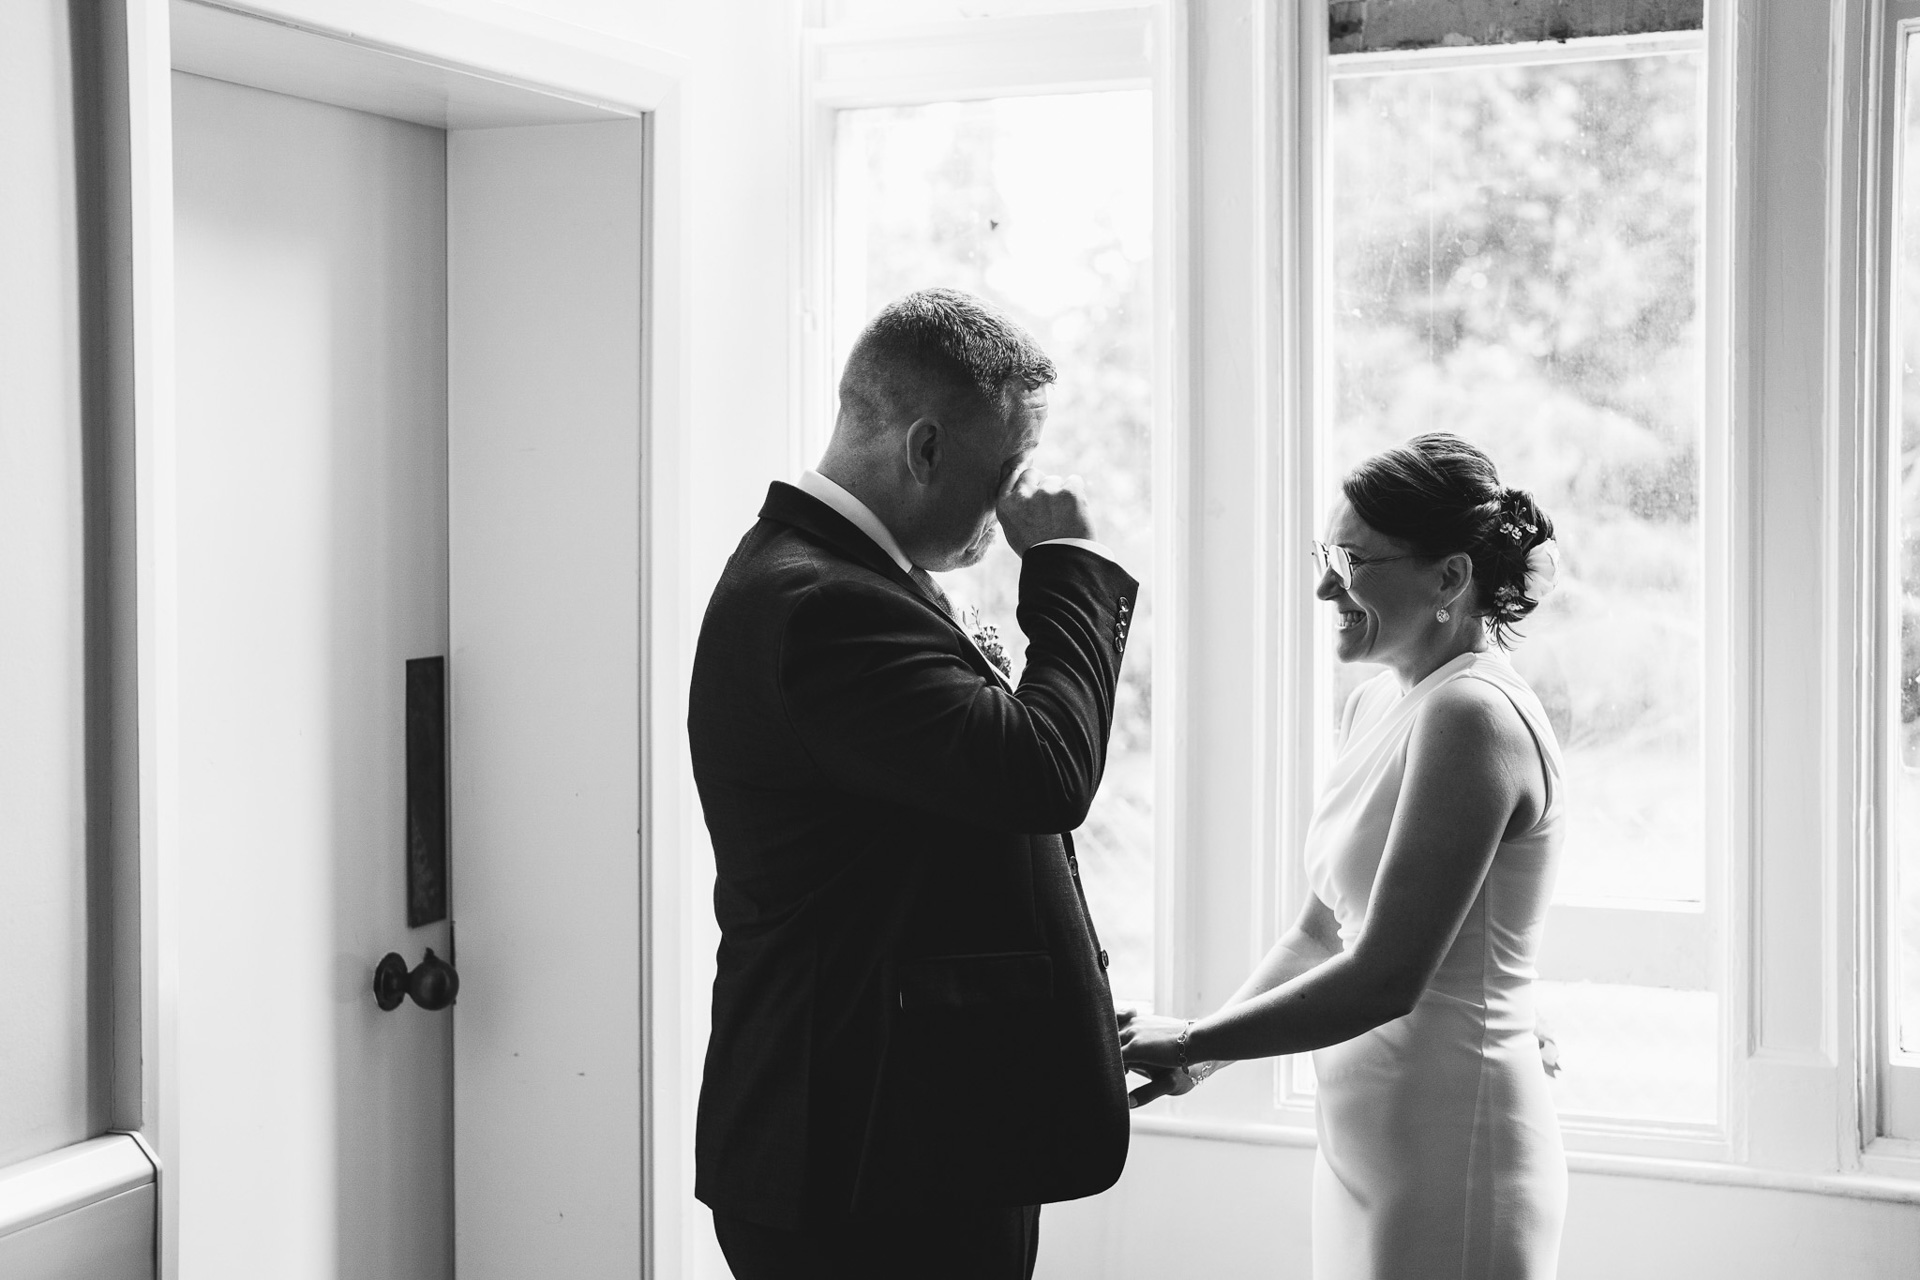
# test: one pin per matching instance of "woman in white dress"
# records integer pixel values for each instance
(1431, 858)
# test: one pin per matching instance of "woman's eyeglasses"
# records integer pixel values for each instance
(1343, 563)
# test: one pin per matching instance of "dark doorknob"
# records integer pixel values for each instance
(433, 984)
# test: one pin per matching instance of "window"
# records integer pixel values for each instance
(1514, 255)
(1900, 589)
(1043, 203)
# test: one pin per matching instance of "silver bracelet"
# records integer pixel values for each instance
(1181, 1044)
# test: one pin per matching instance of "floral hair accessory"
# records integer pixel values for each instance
(1516, 530)
(1543, 569)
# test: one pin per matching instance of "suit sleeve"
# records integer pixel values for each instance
(885, 701)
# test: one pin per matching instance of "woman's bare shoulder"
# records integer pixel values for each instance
(1468, 712)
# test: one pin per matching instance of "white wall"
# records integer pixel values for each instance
(314, 1130)
(47, 1052)
(742, 233)
(1241, 1211)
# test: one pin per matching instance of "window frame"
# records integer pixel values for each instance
(1888, 1080)
(1702, 928)
(1794, 348)
(1079, 51)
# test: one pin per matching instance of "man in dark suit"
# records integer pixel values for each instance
(913, 1040)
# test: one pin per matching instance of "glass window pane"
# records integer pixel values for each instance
(1647, 1052)
(1043, 205)
(1905, 588)
(1516, 259)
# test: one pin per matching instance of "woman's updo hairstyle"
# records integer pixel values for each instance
(1440, 496)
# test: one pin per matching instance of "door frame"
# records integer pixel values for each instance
(519, 50)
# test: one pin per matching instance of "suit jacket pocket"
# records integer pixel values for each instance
(949, 1125)
(999, 980)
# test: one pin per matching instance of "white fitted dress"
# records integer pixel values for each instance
(1440, 1153)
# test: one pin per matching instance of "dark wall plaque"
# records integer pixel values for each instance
(426, 791)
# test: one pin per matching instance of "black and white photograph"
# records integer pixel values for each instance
(959, 639)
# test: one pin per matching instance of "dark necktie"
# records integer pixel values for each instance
(931, 589)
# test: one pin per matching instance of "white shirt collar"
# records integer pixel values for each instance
(818, 486)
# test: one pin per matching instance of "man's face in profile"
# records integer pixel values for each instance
(990, 451)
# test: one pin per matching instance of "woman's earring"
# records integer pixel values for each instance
(1442, 615)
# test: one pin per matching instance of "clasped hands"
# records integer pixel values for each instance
(1150, 1047)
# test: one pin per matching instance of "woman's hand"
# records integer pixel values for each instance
(1145, 1034)
(1162, 1082)
(1150, 1041)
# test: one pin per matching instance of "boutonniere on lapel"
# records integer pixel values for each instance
(986, 638)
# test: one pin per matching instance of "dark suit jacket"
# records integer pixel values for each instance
(911, 1009)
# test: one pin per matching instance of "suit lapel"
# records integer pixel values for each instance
(796, 507)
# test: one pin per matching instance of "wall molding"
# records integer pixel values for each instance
(70, 1179)
(1855, 1186)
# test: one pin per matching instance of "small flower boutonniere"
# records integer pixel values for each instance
(986, 637)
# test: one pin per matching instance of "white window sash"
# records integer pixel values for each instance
(1085, 51)
(1679, 945)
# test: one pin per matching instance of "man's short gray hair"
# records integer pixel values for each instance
(943, 344)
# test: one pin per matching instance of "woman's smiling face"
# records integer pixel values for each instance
(1388, 610)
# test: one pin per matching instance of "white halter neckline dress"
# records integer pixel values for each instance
(1440, 1152)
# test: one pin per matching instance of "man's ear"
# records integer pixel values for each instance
(924, 445)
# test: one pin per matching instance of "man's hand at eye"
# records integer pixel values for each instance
(1035, 508)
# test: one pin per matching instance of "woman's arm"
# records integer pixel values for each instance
(1313, 939)
(1315, 936)
(1472, 773)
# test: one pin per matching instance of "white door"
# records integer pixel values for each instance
(410, 386)
(315, 1131)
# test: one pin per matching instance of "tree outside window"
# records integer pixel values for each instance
(1516, 258)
